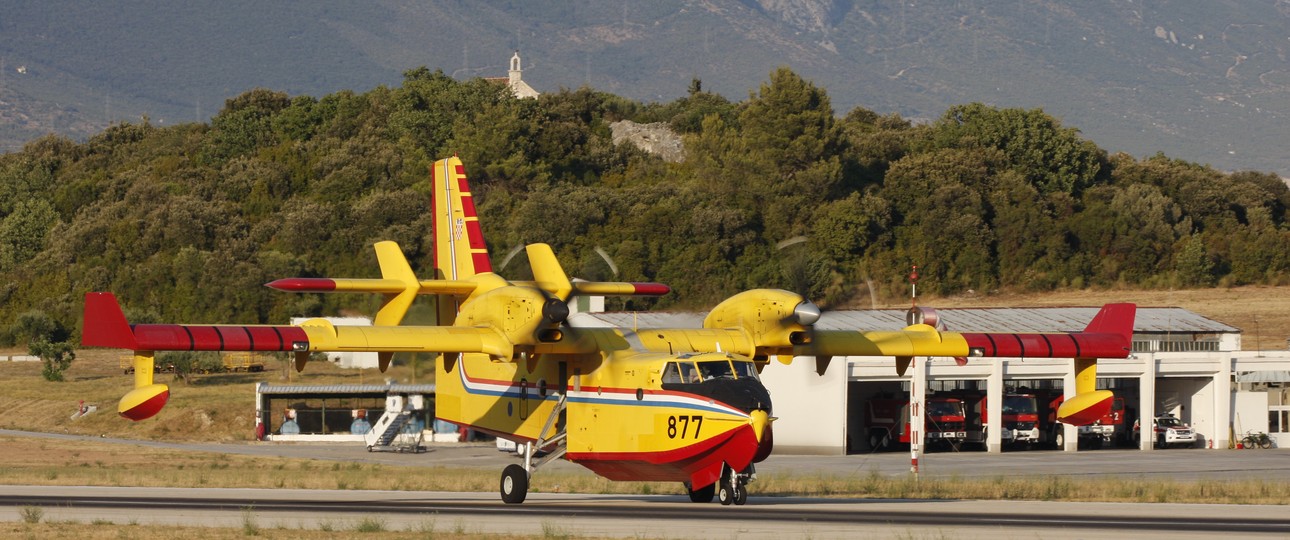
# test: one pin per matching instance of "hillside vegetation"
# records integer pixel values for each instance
(186, 222)
(1204, 81)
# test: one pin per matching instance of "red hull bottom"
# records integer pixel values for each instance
(699, 464)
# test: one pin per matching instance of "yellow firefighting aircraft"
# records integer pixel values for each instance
(674, 404)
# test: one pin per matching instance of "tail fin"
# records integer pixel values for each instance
(459, 249)
(105, 324)
(1115, 319)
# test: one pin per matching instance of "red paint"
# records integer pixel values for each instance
(105, 324)
(475, 235)
(651, 289)
(303, 284)
(174, 337)
(699, 463)
(148, 408)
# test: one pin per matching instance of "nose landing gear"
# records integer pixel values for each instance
(734, 486)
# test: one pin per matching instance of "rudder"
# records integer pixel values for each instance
(459, 248)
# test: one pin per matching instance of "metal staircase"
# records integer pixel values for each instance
(388, 434)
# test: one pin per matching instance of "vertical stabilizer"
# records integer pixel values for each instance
(459, 249)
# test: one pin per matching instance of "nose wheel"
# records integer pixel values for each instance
(734, 486)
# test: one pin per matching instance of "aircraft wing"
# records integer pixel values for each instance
(106, 326)
(1108, 335)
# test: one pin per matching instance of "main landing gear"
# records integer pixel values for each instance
(515, 478)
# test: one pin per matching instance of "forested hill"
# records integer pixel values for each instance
(186, 222)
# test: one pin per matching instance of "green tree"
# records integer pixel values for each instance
(1053, 158)
(23, 232)
(56, 357)
(1192, 262)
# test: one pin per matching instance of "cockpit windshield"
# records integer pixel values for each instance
(745, 370)
(686, 372)
(680, 373)
(718, 369)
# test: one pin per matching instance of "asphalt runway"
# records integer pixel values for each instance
(634, 516)
(639, 516)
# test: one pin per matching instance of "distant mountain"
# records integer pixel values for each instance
(1201, 81)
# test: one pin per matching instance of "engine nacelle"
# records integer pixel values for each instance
(774, 320)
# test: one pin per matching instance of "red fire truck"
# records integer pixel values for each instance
(888, 422)
(1020, 417)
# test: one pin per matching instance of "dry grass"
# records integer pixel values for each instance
(212, 408)
(91, 463)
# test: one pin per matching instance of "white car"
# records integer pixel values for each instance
(1169, 431)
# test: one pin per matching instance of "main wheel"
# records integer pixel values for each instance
(515, 484)
(725, 495)
(1248, 442)
(1060, 439)
(1265, 442)
(703, 494)
(741, 495)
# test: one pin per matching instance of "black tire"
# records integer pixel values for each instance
(1265, 442)
(879, 440)
(725, 496)
(703, 494)
(1248, 442)
(515, 484)
(741, 495)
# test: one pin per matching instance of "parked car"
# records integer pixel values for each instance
(1169, 431)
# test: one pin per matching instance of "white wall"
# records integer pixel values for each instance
(1249, 412)
(811, 409)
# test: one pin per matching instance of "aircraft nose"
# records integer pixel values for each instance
(760, 420)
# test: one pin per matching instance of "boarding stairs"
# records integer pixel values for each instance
(389, 433)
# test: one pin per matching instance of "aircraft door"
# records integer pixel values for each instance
(563, 368)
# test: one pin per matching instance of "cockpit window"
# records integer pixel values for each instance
(745, 370)
(680, 373)
(670, 374)
(688, 373)
(719, 369)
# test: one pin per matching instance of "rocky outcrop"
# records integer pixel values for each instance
(656, 138)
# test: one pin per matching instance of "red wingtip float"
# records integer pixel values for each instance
(145, 402)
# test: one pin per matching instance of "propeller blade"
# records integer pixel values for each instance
(548, 273)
